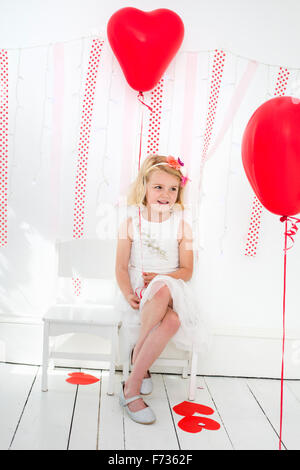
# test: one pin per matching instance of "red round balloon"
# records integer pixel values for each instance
(144, 43)
(271, 154)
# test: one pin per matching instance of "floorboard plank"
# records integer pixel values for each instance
(111, 427)
(46, 421)
(159, 435)
(85, 419)
(177, 389)
(16, 381)
(244, 420)
(267, 393)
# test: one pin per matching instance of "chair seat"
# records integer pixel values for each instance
(83, 314)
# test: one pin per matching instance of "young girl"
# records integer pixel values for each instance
(154, 265)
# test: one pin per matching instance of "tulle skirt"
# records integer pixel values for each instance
(193, 332)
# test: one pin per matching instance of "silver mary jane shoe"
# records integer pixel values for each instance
(144, 416)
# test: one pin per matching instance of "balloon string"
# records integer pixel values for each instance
(140, 229)
(293, 229)
(288, 233)
(141, 98)
(141, 137)
(139, 167)
(140, 218)
(283, 334)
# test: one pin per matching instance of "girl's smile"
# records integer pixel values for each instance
(162, 191)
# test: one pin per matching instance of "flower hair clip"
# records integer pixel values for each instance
(178, 165)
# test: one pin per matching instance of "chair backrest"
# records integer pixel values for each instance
(86, 258)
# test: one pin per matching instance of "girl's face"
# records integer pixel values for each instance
(162, 190)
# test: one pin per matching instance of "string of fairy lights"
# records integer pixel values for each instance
(103, 177)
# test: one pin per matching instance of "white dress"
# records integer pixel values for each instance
(160, 254)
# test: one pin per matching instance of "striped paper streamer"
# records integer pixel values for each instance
(57, 132)
(235, 102)
(189, 107)
(256, 211)
(127, 162)
(188, 115)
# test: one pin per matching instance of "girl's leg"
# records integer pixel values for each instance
(151, 314)
(152, 347)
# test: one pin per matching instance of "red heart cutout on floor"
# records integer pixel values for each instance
(186, 408)
(144, 43)
(80, 378)
(195, 424)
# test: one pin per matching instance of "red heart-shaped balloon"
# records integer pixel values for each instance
(271, 154)
(144, 43)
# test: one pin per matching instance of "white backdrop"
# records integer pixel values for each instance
(48, 46)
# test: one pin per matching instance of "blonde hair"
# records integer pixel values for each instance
(137, 190)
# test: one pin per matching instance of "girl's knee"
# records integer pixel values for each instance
(171, 321)
(163, 294)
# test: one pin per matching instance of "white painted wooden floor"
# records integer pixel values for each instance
(85, 417)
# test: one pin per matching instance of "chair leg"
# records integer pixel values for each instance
(125, 370)
(192, 387)
(127, 364)
(114, 339)
(185, 370)
(45, 358)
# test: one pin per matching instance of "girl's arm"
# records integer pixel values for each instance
(186, 254)
(122, 260)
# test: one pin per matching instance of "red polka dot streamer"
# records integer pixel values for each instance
(257, 207)
(155, 118)
(252, 237)
(217, 74)
(281, 83)
(84, 144)
(76, 285)
(84, 137)
(3, 145)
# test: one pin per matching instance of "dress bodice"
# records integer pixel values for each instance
(156, 250)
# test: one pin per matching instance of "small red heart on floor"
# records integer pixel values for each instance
(186, 408)
(80, 378)
(195, 424)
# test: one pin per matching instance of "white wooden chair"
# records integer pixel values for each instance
(83, 259)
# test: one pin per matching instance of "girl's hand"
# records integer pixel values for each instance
(133, 300)
(148, 277)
